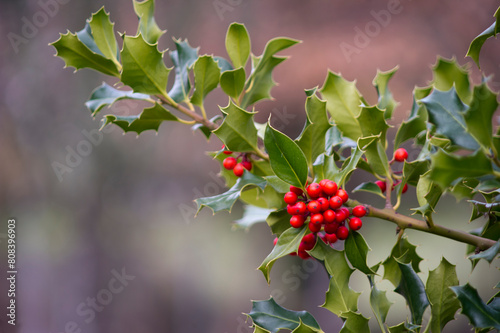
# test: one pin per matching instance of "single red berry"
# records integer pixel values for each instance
(314, 190)
(343, 195)
(247, 165)
(323, 203)
(405, 188)
(302, 252)
(400, 155)
(229, 163)
(290, 198)
(317, 219)
(330, 188)
(296, 190)
(308, 241)
(382, 185)
(301, 207)
(323, 182)
(359, 211)
(275, 241)
(313, 207)
(227, 152)
(331, 228)
(297, 221)
(355, 223)
(331, 238)
(314, 227)
(335, 202)
(329, 216)
(341, 215)
(342, 233)
(238, 170)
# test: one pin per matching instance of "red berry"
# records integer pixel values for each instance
(317, 219)
(229, 163)
(313, 207)
(314, 227)
(330, 188)
(329, 216)
(331, 238)
(405, 188)
(227, 152)
(341, 215)
(301, 207)
(323, 182)
(342, 233)
(296, 190)
(247, 165)
(323, 203)
(335, 202)
(400, 155)
(314, 190)
(238, 170)
(275, 241)
(331, 228)
(302, 251)
(297, 221)
(355, 223)
(309, 241)
(359, 211)
(343, 195)
(382, 185)
(290, 198)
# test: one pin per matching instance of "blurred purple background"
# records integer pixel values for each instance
(125, 209)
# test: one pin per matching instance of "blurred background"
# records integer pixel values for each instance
(121, 218)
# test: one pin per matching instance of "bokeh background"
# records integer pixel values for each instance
(127, 206)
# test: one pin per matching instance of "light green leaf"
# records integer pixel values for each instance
(416, 122)
(349, 166)
(106, 95)
(267, 198)
(147, 24)
(206, 78)
(476, 44)
(369, 187)
(303, 328)
(479, 314)
(354, 323)
(428, 195)
(379, 303)
(287, 159)
(183, 57)
(405, 252)
(413, 170)
(356, 251)
(279, 185)
(143, 66)
(372, 122)
(238, 44)
(324, 167)
(238, 130)
(489, 255)
(447, 73)
(400, 328)
(85, 36)
(278, 221)
(375, 154)
(251, 216)
(104, 34)
(386, 101)
(232, 82)
(443, 301)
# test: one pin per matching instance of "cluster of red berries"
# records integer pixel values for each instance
(322, 208)
(231, 163)
(400, 155)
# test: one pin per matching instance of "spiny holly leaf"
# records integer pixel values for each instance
(238, 130)
(375, 154)
(413, 170)
(312, 138)
(416, 122)
(107, 95)
(480, 315)
(287, 159)
(369, 187)
(386, 101)
(206, 78)
(143, 67)
(428, 194)
(379, 303)
(226, 200)
(149, 119)
(260, 82)
(343, 102)
(183, 57)
(446, 167)
(324, 167)
(232, 82)
(356, 251)
(288, 242)
(85, 36)
(272, 317)
(413, 290)
(476, 44)
(340, 298)
(480, 209)
(443, 301)
(405, 252)
(489, 255)
(349, 166)
(372, 122)
(78, 55)
(259, 330)
(278, 221)
(446, 113)
(354, 323)
(478, 117)
(267, 198)
(303, 328)
(400, 328)
(447, 73)
(104, 34)
(238, 44)
(251, 216)
(147, 24)
(224, 64)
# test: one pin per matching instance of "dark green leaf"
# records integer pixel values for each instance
(489, 255)
(354, 323)
(447, 73)
(349, 166)
(85, 36)
(224, 65)
(278, 221)
(379, 304)
(479, 314)
(238, 131)
(415, 124)
(279, 185)
(251, 216)
(104, 35)
(147, 25)
(386, 101)
(477, 43)
(356, 251)
(325, 168)
(106, 95)
(369, 187)
(232, 82)
(238, 44)
(413, 170)
(183, 57)
(405, 252)
(206, 78)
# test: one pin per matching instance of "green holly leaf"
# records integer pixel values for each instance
(143, 66)
(238, 44)
(103, 34)
(206, 78)
(428, 195)
(252, 215)
(413, 170)
(413, 290)
(226, 200)
(272, 317)
(183, 57)
(85, 36)
(287, 159)
(354, 323)
(489, 255)
(477, 43)
(260, 82)
(232, 82)
(238, 130)
(267, 198)
(446, 113)
(446, 167)
(372, 122)
(386, 101)
(343, 101)
(147, 24)
(443, 301)
(259, 330)
(400, 328)
(312, 138)
(350, 164)
(288, 242)
(356, 251)
(379, 303)
(340, 298)
(279, 185)
(303, 328)
(324, 167)
(480, 315)
(278, 221)
(415, 124)
(76, 54)
(405, 252)
(447, 73)
(375, 154)
(149, 119)
(106, 95)
(478, 117)
(369, 187)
